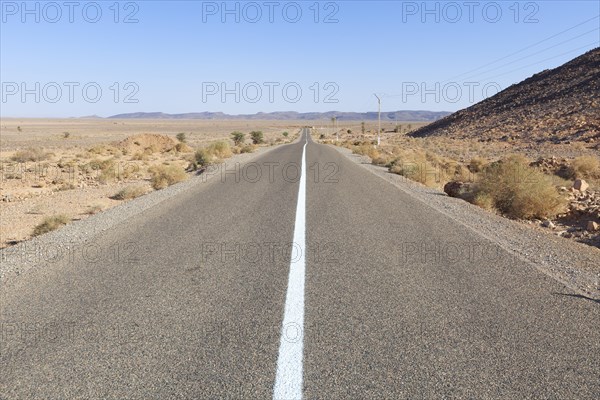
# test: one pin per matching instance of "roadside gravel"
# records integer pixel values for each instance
(575, 265)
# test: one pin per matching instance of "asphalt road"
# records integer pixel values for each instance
(388, 298)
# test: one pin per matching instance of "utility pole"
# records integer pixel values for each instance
(337, 135)
(379, 119)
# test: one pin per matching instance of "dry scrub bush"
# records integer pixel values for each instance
(366, 150)
(129, 192)
(50, 223)
(163, 176)
(213, 153)
(94, 209)
(104, 149)
(427, 167)
(182, 148)
(585, 167)
(477, 164)
(518, 190)
(140, 156)
(67, 186)
(31, 154)
(416, 167)
(220, 150)
(248, 148)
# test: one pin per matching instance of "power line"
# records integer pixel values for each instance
(531, 55)
(538, 62)
(524, 48)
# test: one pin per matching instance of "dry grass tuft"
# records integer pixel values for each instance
(585, 167)
(51, 223)
(31, 154)
(163, 176)
(248, 148)
(129, 192)
(183, 148)
(94, 209)
(214, 153)
(477, 164)
(518, 190)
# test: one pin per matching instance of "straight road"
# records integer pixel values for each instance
(250, 286)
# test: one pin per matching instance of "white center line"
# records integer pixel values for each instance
(288, 380)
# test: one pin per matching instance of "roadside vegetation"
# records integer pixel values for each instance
(50, 223)
(509, 186)
(130, 192)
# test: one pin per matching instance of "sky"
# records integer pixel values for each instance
(79, 58)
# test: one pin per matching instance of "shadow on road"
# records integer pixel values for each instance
(580, 296)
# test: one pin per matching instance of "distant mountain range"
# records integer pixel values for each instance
(416, 116)
(555, 105)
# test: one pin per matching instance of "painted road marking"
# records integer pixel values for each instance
(288, 380)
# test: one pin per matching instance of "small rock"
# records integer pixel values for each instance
(592, 226)
(580, 185)
(567, 235)
(548, 224)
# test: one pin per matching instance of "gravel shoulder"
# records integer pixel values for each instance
(575, 265)
(16, 261)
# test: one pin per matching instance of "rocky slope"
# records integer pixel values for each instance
(558, 105)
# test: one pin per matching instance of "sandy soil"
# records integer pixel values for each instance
(65, 180)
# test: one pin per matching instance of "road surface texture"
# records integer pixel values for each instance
(253, 287)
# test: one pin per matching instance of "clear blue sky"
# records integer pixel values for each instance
(178, 54)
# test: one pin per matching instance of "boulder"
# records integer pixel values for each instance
(592, 226)
(580, 185)
(456, 189)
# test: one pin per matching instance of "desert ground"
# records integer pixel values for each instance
(57, 170)
(73, 168)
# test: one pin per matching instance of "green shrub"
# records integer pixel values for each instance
(181, 137)
(257, 137)
(238, 138)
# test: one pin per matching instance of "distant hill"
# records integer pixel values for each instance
(556, 105)
(416, 116)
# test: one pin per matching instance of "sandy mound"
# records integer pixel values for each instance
(143, 141)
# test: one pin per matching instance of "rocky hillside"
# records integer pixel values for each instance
(558, 105)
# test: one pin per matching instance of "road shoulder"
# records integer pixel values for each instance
(575, 265)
